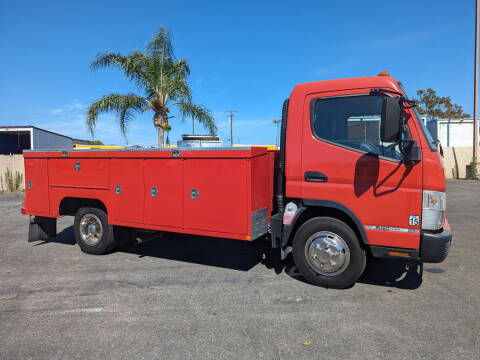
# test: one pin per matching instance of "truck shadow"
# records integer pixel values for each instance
(381, 272)
(396, 273)
(64, 237)
(226, 253)
(243, 256)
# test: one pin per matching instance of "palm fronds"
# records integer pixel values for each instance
(124, 106)
(199, 113)
(160, 76)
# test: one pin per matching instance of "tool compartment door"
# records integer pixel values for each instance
(127, 191)
(163, 192)
(215, 195)
(36, 187)
(79, 172)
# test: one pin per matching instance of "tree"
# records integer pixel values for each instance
(453, 111)
(96, 142)
(435, 107)
(163, 81)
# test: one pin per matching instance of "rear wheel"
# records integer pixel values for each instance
(92, 232)
(327, 253)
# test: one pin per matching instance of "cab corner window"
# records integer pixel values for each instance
(352, 122)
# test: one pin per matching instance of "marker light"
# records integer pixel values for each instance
(289, 214)
(433, 210)
(398, 253)
(383, 73)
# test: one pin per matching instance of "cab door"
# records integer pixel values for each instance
(344, 161)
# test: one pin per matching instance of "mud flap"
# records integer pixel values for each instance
(41, 228)
(124, 236)
(284, 251)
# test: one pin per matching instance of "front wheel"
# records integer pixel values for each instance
(327, 253)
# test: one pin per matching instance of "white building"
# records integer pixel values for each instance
(455, 132)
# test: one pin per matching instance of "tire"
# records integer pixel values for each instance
(97, 241)
(337, 265)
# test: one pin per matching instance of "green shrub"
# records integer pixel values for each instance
(12, 182)
(474, 170)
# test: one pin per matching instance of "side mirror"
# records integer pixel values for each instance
(390, 121)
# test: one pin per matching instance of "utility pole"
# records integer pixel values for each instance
(231, 125)
(475, 90)
(277, 121)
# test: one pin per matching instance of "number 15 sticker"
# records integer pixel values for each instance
(414, 220)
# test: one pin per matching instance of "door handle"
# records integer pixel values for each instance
(315, 176)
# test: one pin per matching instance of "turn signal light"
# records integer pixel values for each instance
(383, 73)
(397, 253)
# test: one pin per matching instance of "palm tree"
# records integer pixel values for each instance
(163, 81)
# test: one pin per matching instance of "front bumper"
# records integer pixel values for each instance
(434, 247)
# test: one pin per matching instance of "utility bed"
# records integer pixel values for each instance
(224, 192)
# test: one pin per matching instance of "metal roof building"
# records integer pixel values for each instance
(15, 139)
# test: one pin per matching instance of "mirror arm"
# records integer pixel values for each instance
(411, 103)
(380, 91)
(405, 155)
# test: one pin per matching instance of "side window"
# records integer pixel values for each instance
(353, 122)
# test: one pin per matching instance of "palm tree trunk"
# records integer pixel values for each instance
(158, 120)
(161, 134)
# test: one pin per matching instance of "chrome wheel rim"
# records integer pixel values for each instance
(91, 229)
(327, 253)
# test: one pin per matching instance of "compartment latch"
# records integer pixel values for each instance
(194, 194)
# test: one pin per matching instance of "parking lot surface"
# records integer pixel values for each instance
(190, 297)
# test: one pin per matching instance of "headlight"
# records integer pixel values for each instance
(433, 209)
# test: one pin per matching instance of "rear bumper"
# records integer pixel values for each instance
(434, 247)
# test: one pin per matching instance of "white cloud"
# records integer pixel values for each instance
(75, 105)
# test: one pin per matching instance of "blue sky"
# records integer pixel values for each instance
(244, 55)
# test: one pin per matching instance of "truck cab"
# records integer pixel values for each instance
(358, 174)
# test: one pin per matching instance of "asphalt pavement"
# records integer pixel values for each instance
(191, 297)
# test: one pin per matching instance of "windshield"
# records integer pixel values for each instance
(426, 133)
(428, 136)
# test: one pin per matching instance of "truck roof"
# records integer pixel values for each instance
(346, 84)
(216, 152)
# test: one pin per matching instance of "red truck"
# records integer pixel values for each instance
(357, 173)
